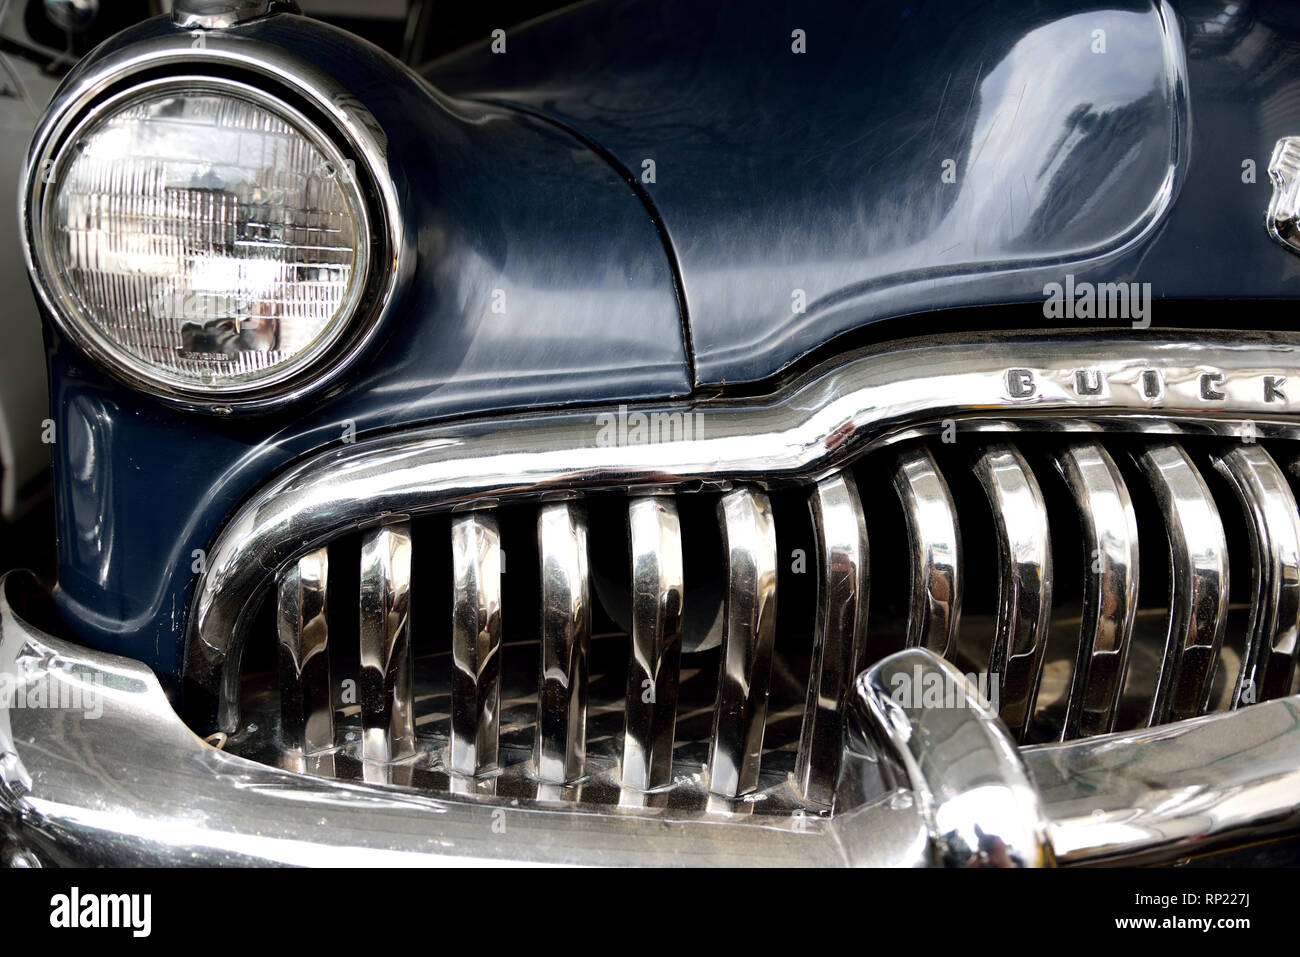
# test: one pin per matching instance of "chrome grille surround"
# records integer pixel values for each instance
(1189, 385)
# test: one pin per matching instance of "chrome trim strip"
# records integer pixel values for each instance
(840, 534)
(384, 683)
(934, 538)
(1110, 591)
(306, 702)
(560, 750)
(1274, 525)
(653, 668)
(810, 428)
(1024, 580)
(475, 643)
(739, 717)
(1198, 576)
(964, 769)
(331, 102)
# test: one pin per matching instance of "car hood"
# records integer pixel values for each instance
(820, 167)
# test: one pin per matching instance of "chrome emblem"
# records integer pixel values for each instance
(1194, 386)
(1284, 209)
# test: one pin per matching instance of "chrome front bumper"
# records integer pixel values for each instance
(96, 768)
(135, 786)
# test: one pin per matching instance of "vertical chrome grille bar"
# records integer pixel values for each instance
(475, 643)
(749, 540)
(1024, 580)
(385, 682)
(306, 705)
(560, 751)
(1198, 576)
(935, 542)
(653, 667)
(840, 534)
(1274, 526)
(1110, 592)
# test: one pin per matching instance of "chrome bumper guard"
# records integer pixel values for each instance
(96, 768)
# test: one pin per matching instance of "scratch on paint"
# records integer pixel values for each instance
(974, 89)
(976, 157)
(939, 112)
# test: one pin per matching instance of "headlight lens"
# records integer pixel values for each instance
(205, 237)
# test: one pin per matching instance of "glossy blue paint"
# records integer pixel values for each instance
(494, 201)
(775, 171)
(1074, 146)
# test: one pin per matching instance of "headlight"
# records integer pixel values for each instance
(202, 238)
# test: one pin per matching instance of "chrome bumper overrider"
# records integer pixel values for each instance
(96, 768)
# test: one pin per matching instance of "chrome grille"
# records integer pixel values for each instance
(990, 524)
(1061, 516)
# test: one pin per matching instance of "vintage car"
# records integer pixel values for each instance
(665, 432)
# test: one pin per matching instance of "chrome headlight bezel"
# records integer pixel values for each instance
(330, 116)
